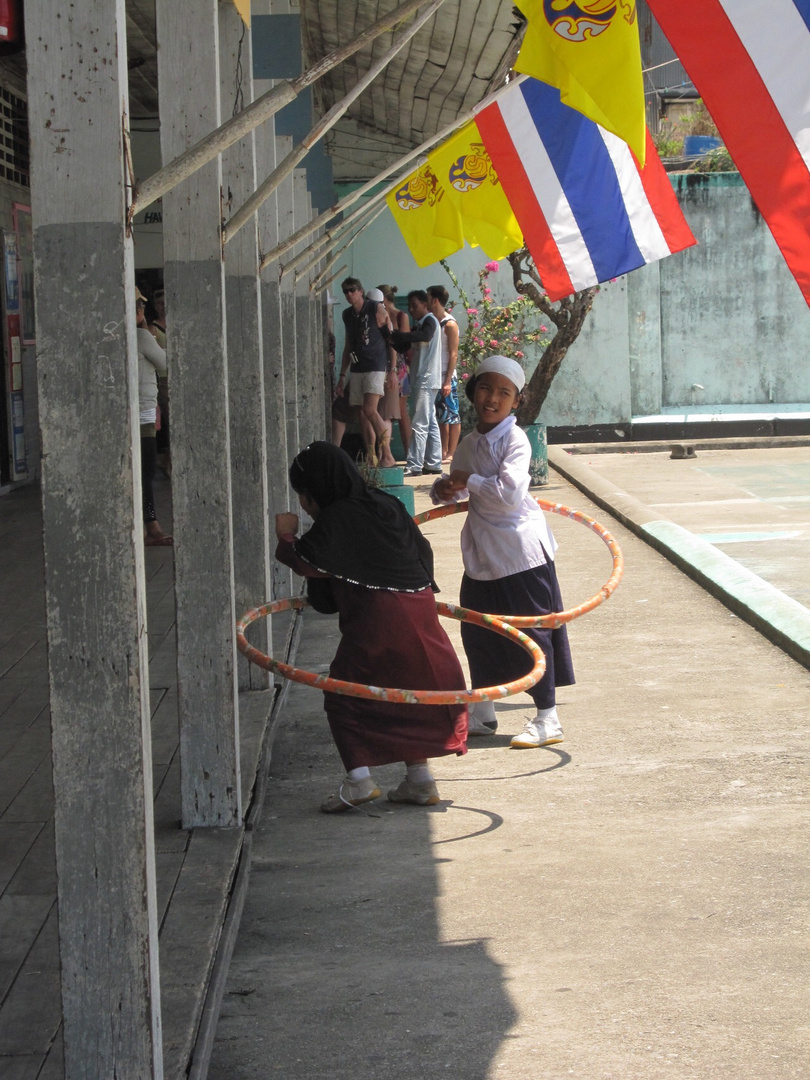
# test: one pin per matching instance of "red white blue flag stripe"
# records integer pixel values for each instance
(750, 61)
(588, 211)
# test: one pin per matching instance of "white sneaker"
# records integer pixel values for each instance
(538, 733)
(478, 727)
(350, 793)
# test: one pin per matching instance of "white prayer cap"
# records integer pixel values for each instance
(503, 365)
(376, 295)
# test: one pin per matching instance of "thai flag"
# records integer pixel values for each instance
(588, 211)
(750, 60)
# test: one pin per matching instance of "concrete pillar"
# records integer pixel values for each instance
(249, 492)
(91, 492)
(274, 333)
(188, 74)
(286, 226)
(309, 427)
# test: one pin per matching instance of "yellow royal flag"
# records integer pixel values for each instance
(590, 51)
(465, 172)
(243, 7)
(427, 219)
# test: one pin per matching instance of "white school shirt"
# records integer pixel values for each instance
(426, 365)
(505, 531)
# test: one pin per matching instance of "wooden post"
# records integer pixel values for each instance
(251, 555)
(91, 493)
(188, 74)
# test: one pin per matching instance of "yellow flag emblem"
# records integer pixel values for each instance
(428, 221)
(470, 182)
(589, 50)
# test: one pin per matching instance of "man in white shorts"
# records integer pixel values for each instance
(367, 352)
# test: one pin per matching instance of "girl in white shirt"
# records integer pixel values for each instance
(508, 553)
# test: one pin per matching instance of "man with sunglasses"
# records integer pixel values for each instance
(366, 350)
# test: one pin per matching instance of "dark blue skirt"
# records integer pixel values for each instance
(494, 659)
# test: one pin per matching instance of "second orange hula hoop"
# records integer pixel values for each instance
(555, 618)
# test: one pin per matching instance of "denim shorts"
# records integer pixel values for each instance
(447, 407)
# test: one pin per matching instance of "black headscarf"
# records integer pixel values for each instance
(361, 535)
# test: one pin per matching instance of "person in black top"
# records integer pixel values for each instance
(366, 350)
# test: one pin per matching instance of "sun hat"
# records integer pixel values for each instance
(375, 295)
(503, 365)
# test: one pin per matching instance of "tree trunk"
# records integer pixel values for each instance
(568, 317)
(539, 384)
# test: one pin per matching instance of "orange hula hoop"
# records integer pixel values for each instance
(557, 618)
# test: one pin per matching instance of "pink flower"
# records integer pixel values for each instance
(519, 355)
(465, 376)
(493, 267)
(479, 343)
(515, 338)
(472, 311)
(543, 329)
(476, 325)
(494, 343)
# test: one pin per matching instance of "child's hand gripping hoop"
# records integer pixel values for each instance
(556, 618)
(383, 693)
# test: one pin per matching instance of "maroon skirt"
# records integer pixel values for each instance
(393, 639)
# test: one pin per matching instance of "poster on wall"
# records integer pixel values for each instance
(25, 270)
(13, 352)
(10, 266)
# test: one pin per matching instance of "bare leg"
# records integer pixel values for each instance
(369, 415)
(454, 431)
(444, 433)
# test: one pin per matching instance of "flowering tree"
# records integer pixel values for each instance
(517, 327)
(493, 328)
(568, 315)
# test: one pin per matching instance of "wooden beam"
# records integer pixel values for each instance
(329, 238)
(261, 110)
(340, 250)
(326, 123)
(92, 512)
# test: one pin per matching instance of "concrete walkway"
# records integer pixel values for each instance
(629, 904)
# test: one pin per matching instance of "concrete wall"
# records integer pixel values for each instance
(726, 314)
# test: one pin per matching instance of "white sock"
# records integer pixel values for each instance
(484, 711)
(545, 715)
(358, 774)
(419, 774)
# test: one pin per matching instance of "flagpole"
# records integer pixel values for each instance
(396, 166)
(266, 189)
(236, 127)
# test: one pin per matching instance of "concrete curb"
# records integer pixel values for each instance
(779, 618)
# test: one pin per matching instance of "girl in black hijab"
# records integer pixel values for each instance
(365, 559)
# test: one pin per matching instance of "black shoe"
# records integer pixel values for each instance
(431, 472)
